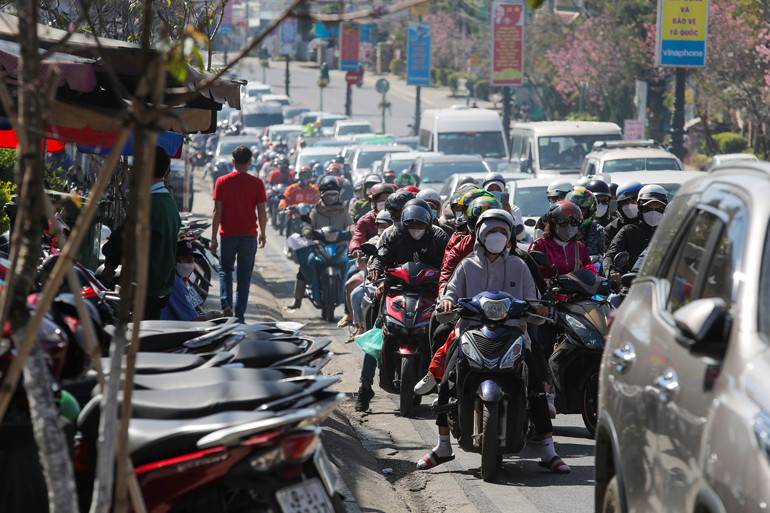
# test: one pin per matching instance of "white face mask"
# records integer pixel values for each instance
(652, 218)
(566, 233)
(379, 206)
(397, 224)
(417, 234)
(185, 270)
(495, 243)
(631, 210)
(601, 210)
(381, 230)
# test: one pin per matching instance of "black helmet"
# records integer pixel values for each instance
(381, 188)
(398, 200)
(419, 202)
(613, 189)
(599, 188)
(329, 183)
(414, 214)
(283, 163)
(466, 179)
(340, 159)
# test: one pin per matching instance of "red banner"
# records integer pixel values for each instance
(349, 48)
(507, 44)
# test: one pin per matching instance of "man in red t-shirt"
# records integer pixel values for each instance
(238, 197)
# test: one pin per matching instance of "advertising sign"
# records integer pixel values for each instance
(682, 33)
(507, 43)
(365, 43)
(418, 54)
(633, 130)
(349, 46)
(288, 36)
(227, 19)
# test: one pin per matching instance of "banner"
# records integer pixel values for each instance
(418, 54)
(365, 47)
(633, 130)
(288, 37)
(507, 43)
(227, 19)
(682, 33)
(349, 46)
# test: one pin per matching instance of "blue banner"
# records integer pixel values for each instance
(322, 31)
(418, 54)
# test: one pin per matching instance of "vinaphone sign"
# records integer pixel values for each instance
(682, 33)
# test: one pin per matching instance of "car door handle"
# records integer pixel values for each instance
(667, 384)
(623, 357)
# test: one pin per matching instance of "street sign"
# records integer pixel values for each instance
(349, 47)
(288, 36)
(351, 77)
(382, 86)
(633, 130)
(682, 33)
(507, 43)
(418, 54)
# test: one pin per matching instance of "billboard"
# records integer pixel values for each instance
(288, 36)
(507, 43)
(226, 26)
(682, 33)
(349, 46)
(418, 54)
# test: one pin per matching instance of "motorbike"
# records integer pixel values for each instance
(325, 266)
(291, 218)
(580, 316)
(489, 416)
(273, 198)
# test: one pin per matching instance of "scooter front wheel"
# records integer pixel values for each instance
(489, 441)
(406, 390)
(590, 396)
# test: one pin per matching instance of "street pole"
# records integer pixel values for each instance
(383, 113)
(286, 80)
(582, 98)
(321, 107)
(348, 100)
(677, 127)
(416, 109)
(507, 112)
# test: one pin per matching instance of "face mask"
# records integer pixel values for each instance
(566, 233)
(601, 210)
(330, 199)
(652, 218)
(380, 231)
(613, 206)
(495, 243)
(304, 183)
(435, 213)
(185, 270)
(497, 195)
(630, 210)
(380, 206)
(417, 234)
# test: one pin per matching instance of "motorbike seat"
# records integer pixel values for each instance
(157, 363)
(154, 440)
(263, 353)
(204, 377)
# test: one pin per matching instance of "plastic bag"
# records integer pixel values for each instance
(296, 241)
(370, 342)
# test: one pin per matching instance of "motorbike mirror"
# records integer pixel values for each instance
(306, 218)
(369, 249)
(519, 229)
(540, 258)
(530, 222)
(627, 279)
(621, 259)
(548, 297)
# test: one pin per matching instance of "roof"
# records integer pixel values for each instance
(462, 114)
(395, 148)
(569, 127)
(298, 128)
(262, 108)
(655, 177)
(238, 138)
(353, 122)
(271, 97)
(320, 150)
(532, 182)
(402, 155)
(507, 176)
(435, 157)
(631, 153)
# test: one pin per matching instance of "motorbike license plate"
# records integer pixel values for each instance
(303, 497)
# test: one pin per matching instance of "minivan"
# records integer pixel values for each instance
(552, 149)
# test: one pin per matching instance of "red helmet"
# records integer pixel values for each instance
(335, 168)
(410, 188)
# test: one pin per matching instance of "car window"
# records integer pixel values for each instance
(486, 144)
(516, 147)
(532, 201)
(666, 236)
(433, 172)
(354, 129)
(568, 152)
(662, 164)
(400, 165)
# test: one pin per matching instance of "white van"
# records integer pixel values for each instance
(258, 115)
(465, 132)
(552, 149)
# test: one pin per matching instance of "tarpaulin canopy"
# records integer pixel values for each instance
(169, 141)
(8, 140)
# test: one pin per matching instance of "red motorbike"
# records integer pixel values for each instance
(406, 313)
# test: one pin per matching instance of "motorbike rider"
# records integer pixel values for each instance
(591, 233)
(366, 226)
(415, 240)
(328, 211)
(256, 162)
(282, 173)
(491, 267)
(303, 191)
(279, 145)
(364, 204)
(389, 176)
(602, 193)
(346, 188)
(406, 179)
(613, 201)
(557, 191)
(627, 209)
(434, 200)
(560, 241)
(635, 236)
(318, 169)
(495, 183)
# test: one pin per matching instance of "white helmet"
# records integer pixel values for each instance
(430, 196)
(652, 192)
(558, 188)
(383, 216)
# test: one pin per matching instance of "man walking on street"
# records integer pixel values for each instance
(239, 200)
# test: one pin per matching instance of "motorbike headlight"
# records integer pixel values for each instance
(495, 309)
(590, 337)
(331, 237)
(513, 354)
(470, 352)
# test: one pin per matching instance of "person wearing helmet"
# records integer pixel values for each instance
(591, 233)
(491, 267)
(466, 180)
(434, 200)
(282, 173)
(602, 193)
(303, 191)
(451, 208)
(635, 236)
(364, 204)
(627, 209)
(557, 191)
(494, 183)
(366, 226)
(327, 211)
(318, 169)
(389, 176)
(396, 203)
(335, 170)
(256, 162)
(406, 179)
(280, 145)
(560, 241)
(613, 200)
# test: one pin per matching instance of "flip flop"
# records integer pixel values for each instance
(556, 465)
(433, 460)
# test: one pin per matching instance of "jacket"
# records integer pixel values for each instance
(360, 207)
(592, 237)
(296, 194)
(612, 229)
(397, 247)
(563, 257)
(276, 177)
(632, 238)
(327, 215)
(459, 246)
(365, 230)
(448, 229)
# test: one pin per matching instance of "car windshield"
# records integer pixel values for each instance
(365, 159)
(532, 201)
(354, 129)
(331, 142)
(305, 159)
(327, 122)
(282, 101)
(671, 189)
(486, 144)
(282, 132)
(226, 148)
(308, 118)
(262, 120)
(432, 172)
(400, 165)
(253, 93)
(290, 114)
(222, 114)
(641, 164)
(567, 152)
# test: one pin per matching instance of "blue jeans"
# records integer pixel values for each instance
(368, 369)
(355, 300)
(244, 247)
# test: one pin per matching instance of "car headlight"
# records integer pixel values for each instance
(331, 236)
(470, 352)
(513, 354)
(590, 337)
(495, 309)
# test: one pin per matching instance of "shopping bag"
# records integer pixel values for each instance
(370, 342)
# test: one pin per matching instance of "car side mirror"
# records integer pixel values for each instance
(627, 280)
(530, 222)
(621, 260)
(369, 249)
(306, 219)
(540, 258)
(703, 327)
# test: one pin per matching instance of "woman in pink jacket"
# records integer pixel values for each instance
(559, 241)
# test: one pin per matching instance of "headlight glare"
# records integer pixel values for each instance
(513, 354)
(590, 337)
(470, 352)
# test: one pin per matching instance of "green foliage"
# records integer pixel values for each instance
(586, 116)
(322, 83)
(7, 165)
(53, 179)
(335, 8)
(484, 89)
(279, 58)
(728, 142)
(454, 78)
(440, 76)
(398, 67)
(6, 190)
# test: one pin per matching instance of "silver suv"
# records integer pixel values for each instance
(684, 396)
(609, 158)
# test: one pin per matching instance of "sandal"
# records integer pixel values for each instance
(227, 311)
(353, 334)
(556, 465)
(432, 459)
